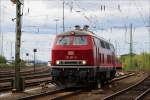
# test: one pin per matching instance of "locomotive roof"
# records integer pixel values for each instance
(83, 32)
(77, 32)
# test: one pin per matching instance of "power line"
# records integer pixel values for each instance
(63, 15)
(141, 15)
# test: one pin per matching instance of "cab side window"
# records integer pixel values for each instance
(102, 44)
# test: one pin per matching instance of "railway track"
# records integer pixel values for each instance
(27, 84)
(122, 77)
(63, 92)
(54, 93)
(134, 92)
(57, 94)
(6, 74)
(28, 81)
(27, 69)
(40, 75)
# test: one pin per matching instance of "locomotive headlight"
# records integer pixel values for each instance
(83, 62)
(57, 62)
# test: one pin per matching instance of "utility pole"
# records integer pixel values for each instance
(63, 16)
(131, 46)
(149, 36)
(56, 24)
(17, 82)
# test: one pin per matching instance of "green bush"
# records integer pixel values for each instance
(2, 60)
(6, 66)
(139, 61)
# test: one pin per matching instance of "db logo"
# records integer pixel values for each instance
(70, 52)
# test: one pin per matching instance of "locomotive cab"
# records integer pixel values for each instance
(73, 49)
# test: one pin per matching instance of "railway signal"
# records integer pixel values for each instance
(27, 54)
(34, 50)
(27, 59)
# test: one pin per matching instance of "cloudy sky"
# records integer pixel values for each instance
(109, 19)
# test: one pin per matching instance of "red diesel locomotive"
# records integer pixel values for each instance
(79, 56)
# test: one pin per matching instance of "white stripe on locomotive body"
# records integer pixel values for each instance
(103, 67)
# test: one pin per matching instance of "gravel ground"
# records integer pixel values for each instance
(29, 91)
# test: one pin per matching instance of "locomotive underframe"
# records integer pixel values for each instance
(86, 76)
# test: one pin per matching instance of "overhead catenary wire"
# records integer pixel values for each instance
(140, 13)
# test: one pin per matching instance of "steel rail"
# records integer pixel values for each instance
(7, 88)
(42, 94)
(124, 90)
(25, 70)
(26, 77)
(122, 77)
(66, 95)
(143, 94)
(6, 75)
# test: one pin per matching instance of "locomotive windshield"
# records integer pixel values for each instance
(73, 40)
(80, 40)
(65, 40)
